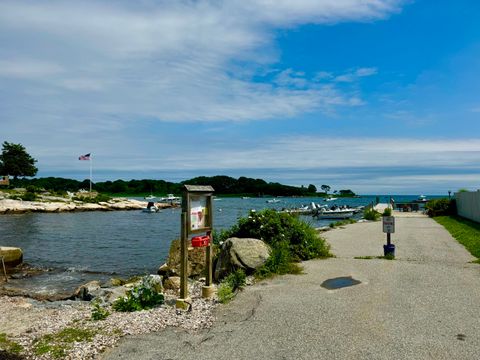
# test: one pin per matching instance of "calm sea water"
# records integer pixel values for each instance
(81, 246)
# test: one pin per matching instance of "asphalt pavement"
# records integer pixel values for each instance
(422, 305)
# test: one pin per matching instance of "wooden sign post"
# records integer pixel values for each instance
(197, 217)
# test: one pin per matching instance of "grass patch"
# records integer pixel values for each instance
(342, 223)
(8, 345)
(466, 232)
(56, 345)
(388, 257)
(233, 282)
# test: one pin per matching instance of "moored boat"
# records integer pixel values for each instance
(151, 208)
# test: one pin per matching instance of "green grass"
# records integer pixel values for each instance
(9, 345)
(466, 232)
(57, 344)
(342, 223)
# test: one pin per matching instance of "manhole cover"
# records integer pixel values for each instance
(339, 282)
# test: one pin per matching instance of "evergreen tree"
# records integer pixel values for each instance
(15, 161)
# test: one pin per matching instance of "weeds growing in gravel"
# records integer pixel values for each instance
(58, 343)
(8, 345)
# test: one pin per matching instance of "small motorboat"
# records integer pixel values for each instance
(273, 201)
(151, 208)
(335, 212)
(171, 199)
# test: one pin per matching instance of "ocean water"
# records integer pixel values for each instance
(78, 247)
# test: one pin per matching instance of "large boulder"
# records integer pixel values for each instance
(196, 261)
(12, 256)
(246, 254)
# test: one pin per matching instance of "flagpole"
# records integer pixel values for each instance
(91, 161)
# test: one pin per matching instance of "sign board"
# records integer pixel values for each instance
(198, 213)
(197, 204)
(388, 224)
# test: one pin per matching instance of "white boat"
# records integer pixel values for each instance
(334, 214)
(151, 208)
(421, 199)
(330, 199)
(273, 201)
(171, 199)
(150, 197)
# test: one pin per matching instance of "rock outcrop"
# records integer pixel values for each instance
(196, 261)
(10, 206)
(236, 253)
(12, 256)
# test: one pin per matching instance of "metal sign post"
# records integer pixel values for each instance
(197, 217)
(388, 228)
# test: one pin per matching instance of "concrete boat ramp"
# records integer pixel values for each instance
(423, 305)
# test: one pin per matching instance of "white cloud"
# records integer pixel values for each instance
(28, 69)
(356, 74)
(172, 61)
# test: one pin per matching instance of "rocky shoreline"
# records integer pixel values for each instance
(10, 206)
(26, 321)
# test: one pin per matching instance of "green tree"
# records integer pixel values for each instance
(325, 188)
(312, 188)
(15, 161)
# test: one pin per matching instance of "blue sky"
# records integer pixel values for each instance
(381, 97)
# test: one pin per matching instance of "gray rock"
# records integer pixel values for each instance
(246, 254)
(85, 291)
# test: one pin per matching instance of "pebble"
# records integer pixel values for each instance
(109, 331)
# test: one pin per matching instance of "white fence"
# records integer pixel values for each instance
(468, 205)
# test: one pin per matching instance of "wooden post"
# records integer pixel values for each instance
(183, 258)
(388, 239)
(208, 262)
(4, 270)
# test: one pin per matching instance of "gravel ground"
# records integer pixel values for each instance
(25, 320)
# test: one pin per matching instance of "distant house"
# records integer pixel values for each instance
(4, 180)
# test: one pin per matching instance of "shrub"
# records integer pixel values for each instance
(280, 262)
(387, 212)
(28, 196)
(441, 207)
(99, 312)
(32, 189)
(141, 297)
(274, 227)
(371, 214)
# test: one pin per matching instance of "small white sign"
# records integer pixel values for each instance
(388, 224)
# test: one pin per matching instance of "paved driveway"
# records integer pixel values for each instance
(423, 305)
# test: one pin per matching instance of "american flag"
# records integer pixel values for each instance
(84, 157)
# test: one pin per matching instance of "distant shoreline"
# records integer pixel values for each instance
(10, 206)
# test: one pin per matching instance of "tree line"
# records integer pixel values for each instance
(16, 162)
(224, 185)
